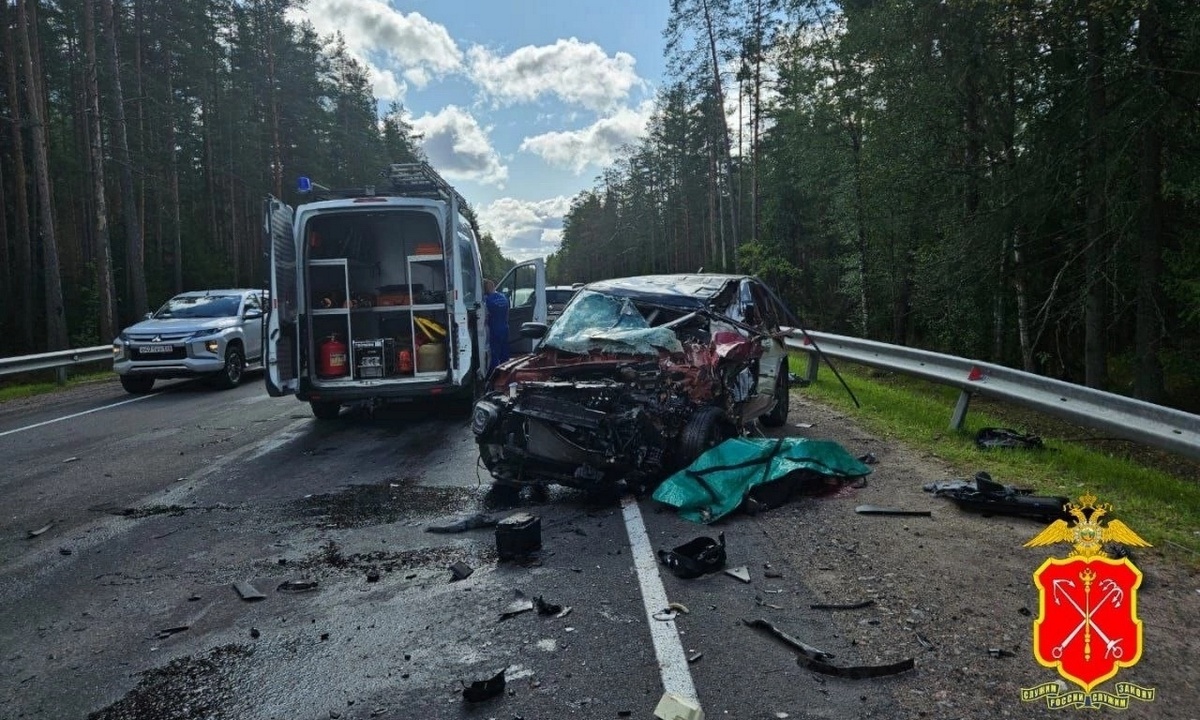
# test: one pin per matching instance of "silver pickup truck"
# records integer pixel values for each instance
(209, 333)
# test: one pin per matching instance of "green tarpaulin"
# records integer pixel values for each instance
(715, 484)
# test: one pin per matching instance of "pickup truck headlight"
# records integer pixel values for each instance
(212, 346)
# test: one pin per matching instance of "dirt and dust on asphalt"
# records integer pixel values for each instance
(361, 619)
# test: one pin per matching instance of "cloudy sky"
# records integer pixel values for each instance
(521, 103)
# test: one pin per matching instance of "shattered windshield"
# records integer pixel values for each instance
(200, 306)
(604, 323)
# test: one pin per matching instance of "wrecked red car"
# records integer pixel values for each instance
(637, 378)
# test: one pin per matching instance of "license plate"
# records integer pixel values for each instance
(156, 349)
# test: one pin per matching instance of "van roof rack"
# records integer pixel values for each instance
(416, 179)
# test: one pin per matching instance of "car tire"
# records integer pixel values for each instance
(325, 410)
(779, 414)
(235, 367)
(706, 429)
(137, 384)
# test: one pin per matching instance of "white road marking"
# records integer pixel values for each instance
(78, 414)
(672, 663)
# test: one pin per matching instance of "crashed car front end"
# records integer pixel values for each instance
(610, 399)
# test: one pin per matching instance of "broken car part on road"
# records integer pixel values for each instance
(472, 522)
(878, 510)
(814, 659)
(482, 690)
(696, 557)
(983, 495)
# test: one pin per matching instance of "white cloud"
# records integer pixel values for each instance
(459, 148)
(525, 228)
(596, 144)
(576, 72)
(411, 43)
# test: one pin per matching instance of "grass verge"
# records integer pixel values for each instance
(24, 390)
(1155, 493)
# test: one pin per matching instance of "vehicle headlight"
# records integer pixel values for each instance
(484, 418)
(212, 346)
(204, 333)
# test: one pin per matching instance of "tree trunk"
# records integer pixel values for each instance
(135, 259)
(176, 220)
(723, 178)
(1148, 381)
(1020, 287)
(56, 325)
(860, 224)
(23, 241)
(103, 252)
(1095, 351)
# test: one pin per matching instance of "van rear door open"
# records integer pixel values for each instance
(281, 341)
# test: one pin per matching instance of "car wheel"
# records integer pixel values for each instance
(324, 410)
(707, 429)
(137, 384)
(235, 366)
(779, 414)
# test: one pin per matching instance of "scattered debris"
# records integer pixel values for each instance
(694, 657)
(1000, 653)
(518, 535)
(254, 633)
(773, 575)
(665, 615)
(545, 608)
(473, 522)
(741, 573)
(990, 437)
(923, 641)
(168, 632)
(458, 571)
(373, 575)
(676, 707)
(1025, 611)
(762, 603)
(679, 608)
(297, 586)
(805, 649)
(40, 531)
(481, 690)
(515, 608)
(878, 510)
(624, 713)
(248, 592)
(193, 598)
(842, 606)
(868, 459)
(804, 426)
(64, 551)
(696, 557)
(983, 495)
(70, 460)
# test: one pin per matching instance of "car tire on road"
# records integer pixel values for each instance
(323, 410)
(779, 414)
(707, 429)
(235, 366)
(137, 384)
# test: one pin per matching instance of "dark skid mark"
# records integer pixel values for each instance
(362, 505)
(176, 510)
(187, 688)
(331, 556)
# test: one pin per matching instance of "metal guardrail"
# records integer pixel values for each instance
(58, 361)
(1143, 422)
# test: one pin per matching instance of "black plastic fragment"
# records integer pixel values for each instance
(473, 522)
(696, 557)
(545, 608)
(482, 690)
(297, 586)
(983, 495)
(842, 606)
(992, 437)
(879, 510)
(460, 571)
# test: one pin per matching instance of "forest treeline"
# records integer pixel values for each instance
(139, 139)
(1011, 180)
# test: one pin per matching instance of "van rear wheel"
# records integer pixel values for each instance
(324, 410)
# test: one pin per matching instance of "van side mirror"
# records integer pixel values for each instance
(534, 330)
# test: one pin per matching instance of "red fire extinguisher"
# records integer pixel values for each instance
(331, 359)
(404, 362)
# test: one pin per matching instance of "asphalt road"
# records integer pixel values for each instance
(125, 606)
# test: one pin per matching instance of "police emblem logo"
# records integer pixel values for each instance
(1087, 626)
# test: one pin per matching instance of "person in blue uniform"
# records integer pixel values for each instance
(497, 313)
